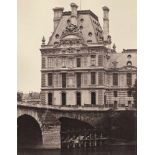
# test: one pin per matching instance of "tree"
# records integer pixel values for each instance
(19, 96)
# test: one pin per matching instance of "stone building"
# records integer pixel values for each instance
(79, 66)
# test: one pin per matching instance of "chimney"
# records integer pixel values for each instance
(74, 13)
(105, 22)
(58, 11)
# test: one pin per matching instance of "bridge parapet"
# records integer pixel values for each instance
(71, 108)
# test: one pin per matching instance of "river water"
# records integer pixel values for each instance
(105, 150)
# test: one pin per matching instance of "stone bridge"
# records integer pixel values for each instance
(40, 125)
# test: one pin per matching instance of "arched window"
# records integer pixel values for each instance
(81, 19)
(89, 34)
(129, 56)
(129, 63)
(81, 27)
(68, 21)
(57, 36)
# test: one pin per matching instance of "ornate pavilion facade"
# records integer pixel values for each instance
(79, 67)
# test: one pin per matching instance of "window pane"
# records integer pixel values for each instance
(100, 78)
(63, 80)
(100, 60)
(63, 98)
(93, 78)
(50, 79)
(129, 93)
(78, 98)
(129, 79)
(115, 79)
(78, 62)
(93, 98)
(115, 93)
(50, 98)
(43, 62)
(78, 79)
(93, 60)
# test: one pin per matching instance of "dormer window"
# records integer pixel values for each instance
(81, 19)
(56, 43)
(89, 41)
(68, 21)
(89, 34)
(57, 36)
(129, 63)
(81, 27)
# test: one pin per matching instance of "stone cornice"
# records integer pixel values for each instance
(89, 69)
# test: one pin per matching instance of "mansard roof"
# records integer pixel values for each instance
(82, 12)
(121, 60)
(87, 23)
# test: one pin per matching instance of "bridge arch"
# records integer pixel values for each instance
(29, 131)
(72, 123)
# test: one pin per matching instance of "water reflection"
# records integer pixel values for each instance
(110, 150)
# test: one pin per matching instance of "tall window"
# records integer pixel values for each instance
(115, 79)
(78, 61)
(50, 62)
(129, 93)
(100, 60)
(78, 79)
(85, 61)
(93, 98)
(115, 104)
(78, 98)
(93, 60)
(129, 103)
(100, 97)
(63, 98)
(93, 78)
(43, 62)
(105, 99)
(100, 78)
(63, 80)
(64, 62)
(129, 79)
(43, 80)
(50, 79)
(50, 98)
(115, 93)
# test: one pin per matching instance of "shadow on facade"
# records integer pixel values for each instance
(28, 132)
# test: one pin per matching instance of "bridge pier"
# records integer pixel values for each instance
(51, 136)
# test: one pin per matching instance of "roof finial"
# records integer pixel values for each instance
(43, 40)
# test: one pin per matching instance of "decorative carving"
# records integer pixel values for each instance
(70, 29)
(114, 64)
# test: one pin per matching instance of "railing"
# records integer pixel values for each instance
(73, 107)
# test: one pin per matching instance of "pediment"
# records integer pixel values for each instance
(124, 68)
(71, 36)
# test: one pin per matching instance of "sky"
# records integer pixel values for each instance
(35, 20)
